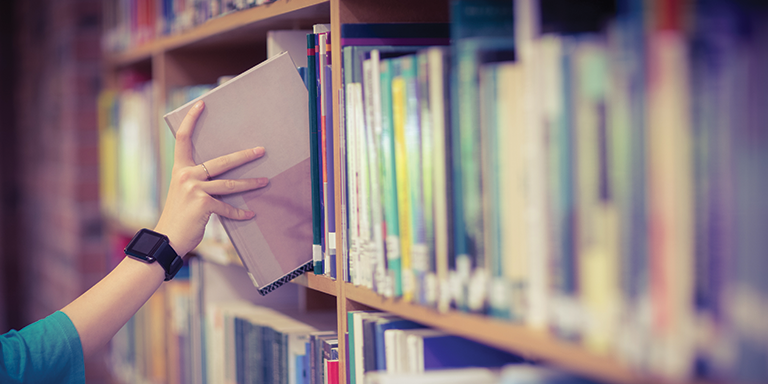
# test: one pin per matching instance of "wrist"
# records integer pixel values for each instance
(153, 247)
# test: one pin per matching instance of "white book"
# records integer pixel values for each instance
(264, 106)
(446, 376)
(352, 193)
(372, 100)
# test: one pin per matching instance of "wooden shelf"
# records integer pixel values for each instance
(233, 29)
(318, 283)
(532, 344)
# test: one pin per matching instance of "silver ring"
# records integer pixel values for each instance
(206, 171)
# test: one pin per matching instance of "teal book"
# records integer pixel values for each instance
(388, 179)
(317, 216)
(425, 269)
(477, 26)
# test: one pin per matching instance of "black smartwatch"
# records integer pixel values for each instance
(150, 246)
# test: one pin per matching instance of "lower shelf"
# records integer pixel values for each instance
(529, 343)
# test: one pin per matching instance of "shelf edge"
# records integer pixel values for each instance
(211, 28)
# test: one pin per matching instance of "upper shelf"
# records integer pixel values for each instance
(233, 29)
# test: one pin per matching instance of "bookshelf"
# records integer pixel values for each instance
(234, 42)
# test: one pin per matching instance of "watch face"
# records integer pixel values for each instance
(144, 244)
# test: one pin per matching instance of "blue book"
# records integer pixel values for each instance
(395, 34)
(450, 351)
(306, 363)
(477, 26)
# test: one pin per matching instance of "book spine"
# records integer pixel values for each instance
(364, 221)
(375, 274)
(352, 377)
(439, 80)
(399, 110)
(319, 76)
(317, 254)
(352, 185)
(428, 282)
(414, 276)
(322, 101)
(487, 90)
(330, 162)
(389, 180)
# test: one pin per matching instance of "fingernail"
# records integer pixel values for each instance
(258, 151)
(263, 181)
(199, 104)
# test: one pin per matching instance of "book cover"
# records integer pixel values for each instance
(259, 108)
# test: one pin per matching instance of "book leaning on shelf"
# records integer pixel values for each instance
(265, 106)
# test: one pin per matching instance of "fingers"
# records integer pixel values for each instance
(226, 187)
(183, 153)
(224, 163)
(225, 210)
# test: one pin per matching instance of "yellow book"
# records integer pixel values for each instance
(512, 174)
(108, 152)
(597, 260)
(403, 197)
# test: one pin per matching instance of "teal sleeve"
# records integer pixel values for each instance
(47, 351)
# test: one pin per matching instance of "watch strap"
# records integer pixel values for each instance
(168, 259)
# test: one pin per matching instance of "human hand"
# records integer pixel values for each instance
(190, 204)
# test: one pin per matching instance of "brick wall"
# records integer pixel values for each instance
(58, 79)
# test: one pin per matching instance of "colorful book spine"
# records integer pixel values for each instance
(425, 270)
(439, 102)
(399, 121)
(413, 276)
(317, 234)
(477, 26)
(372, 99)
(389, 180)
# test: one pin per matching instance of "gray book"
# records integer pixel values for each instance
(267, 106)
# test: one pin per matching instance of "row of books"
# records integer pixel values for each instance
(253, 344)
(380, 341)
(129, 184)
(130, 23)
(597, 177)
(162, 341)
(509, 374)
(210, 325)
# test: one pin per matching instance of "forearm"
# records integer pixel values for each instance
(101, 311)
